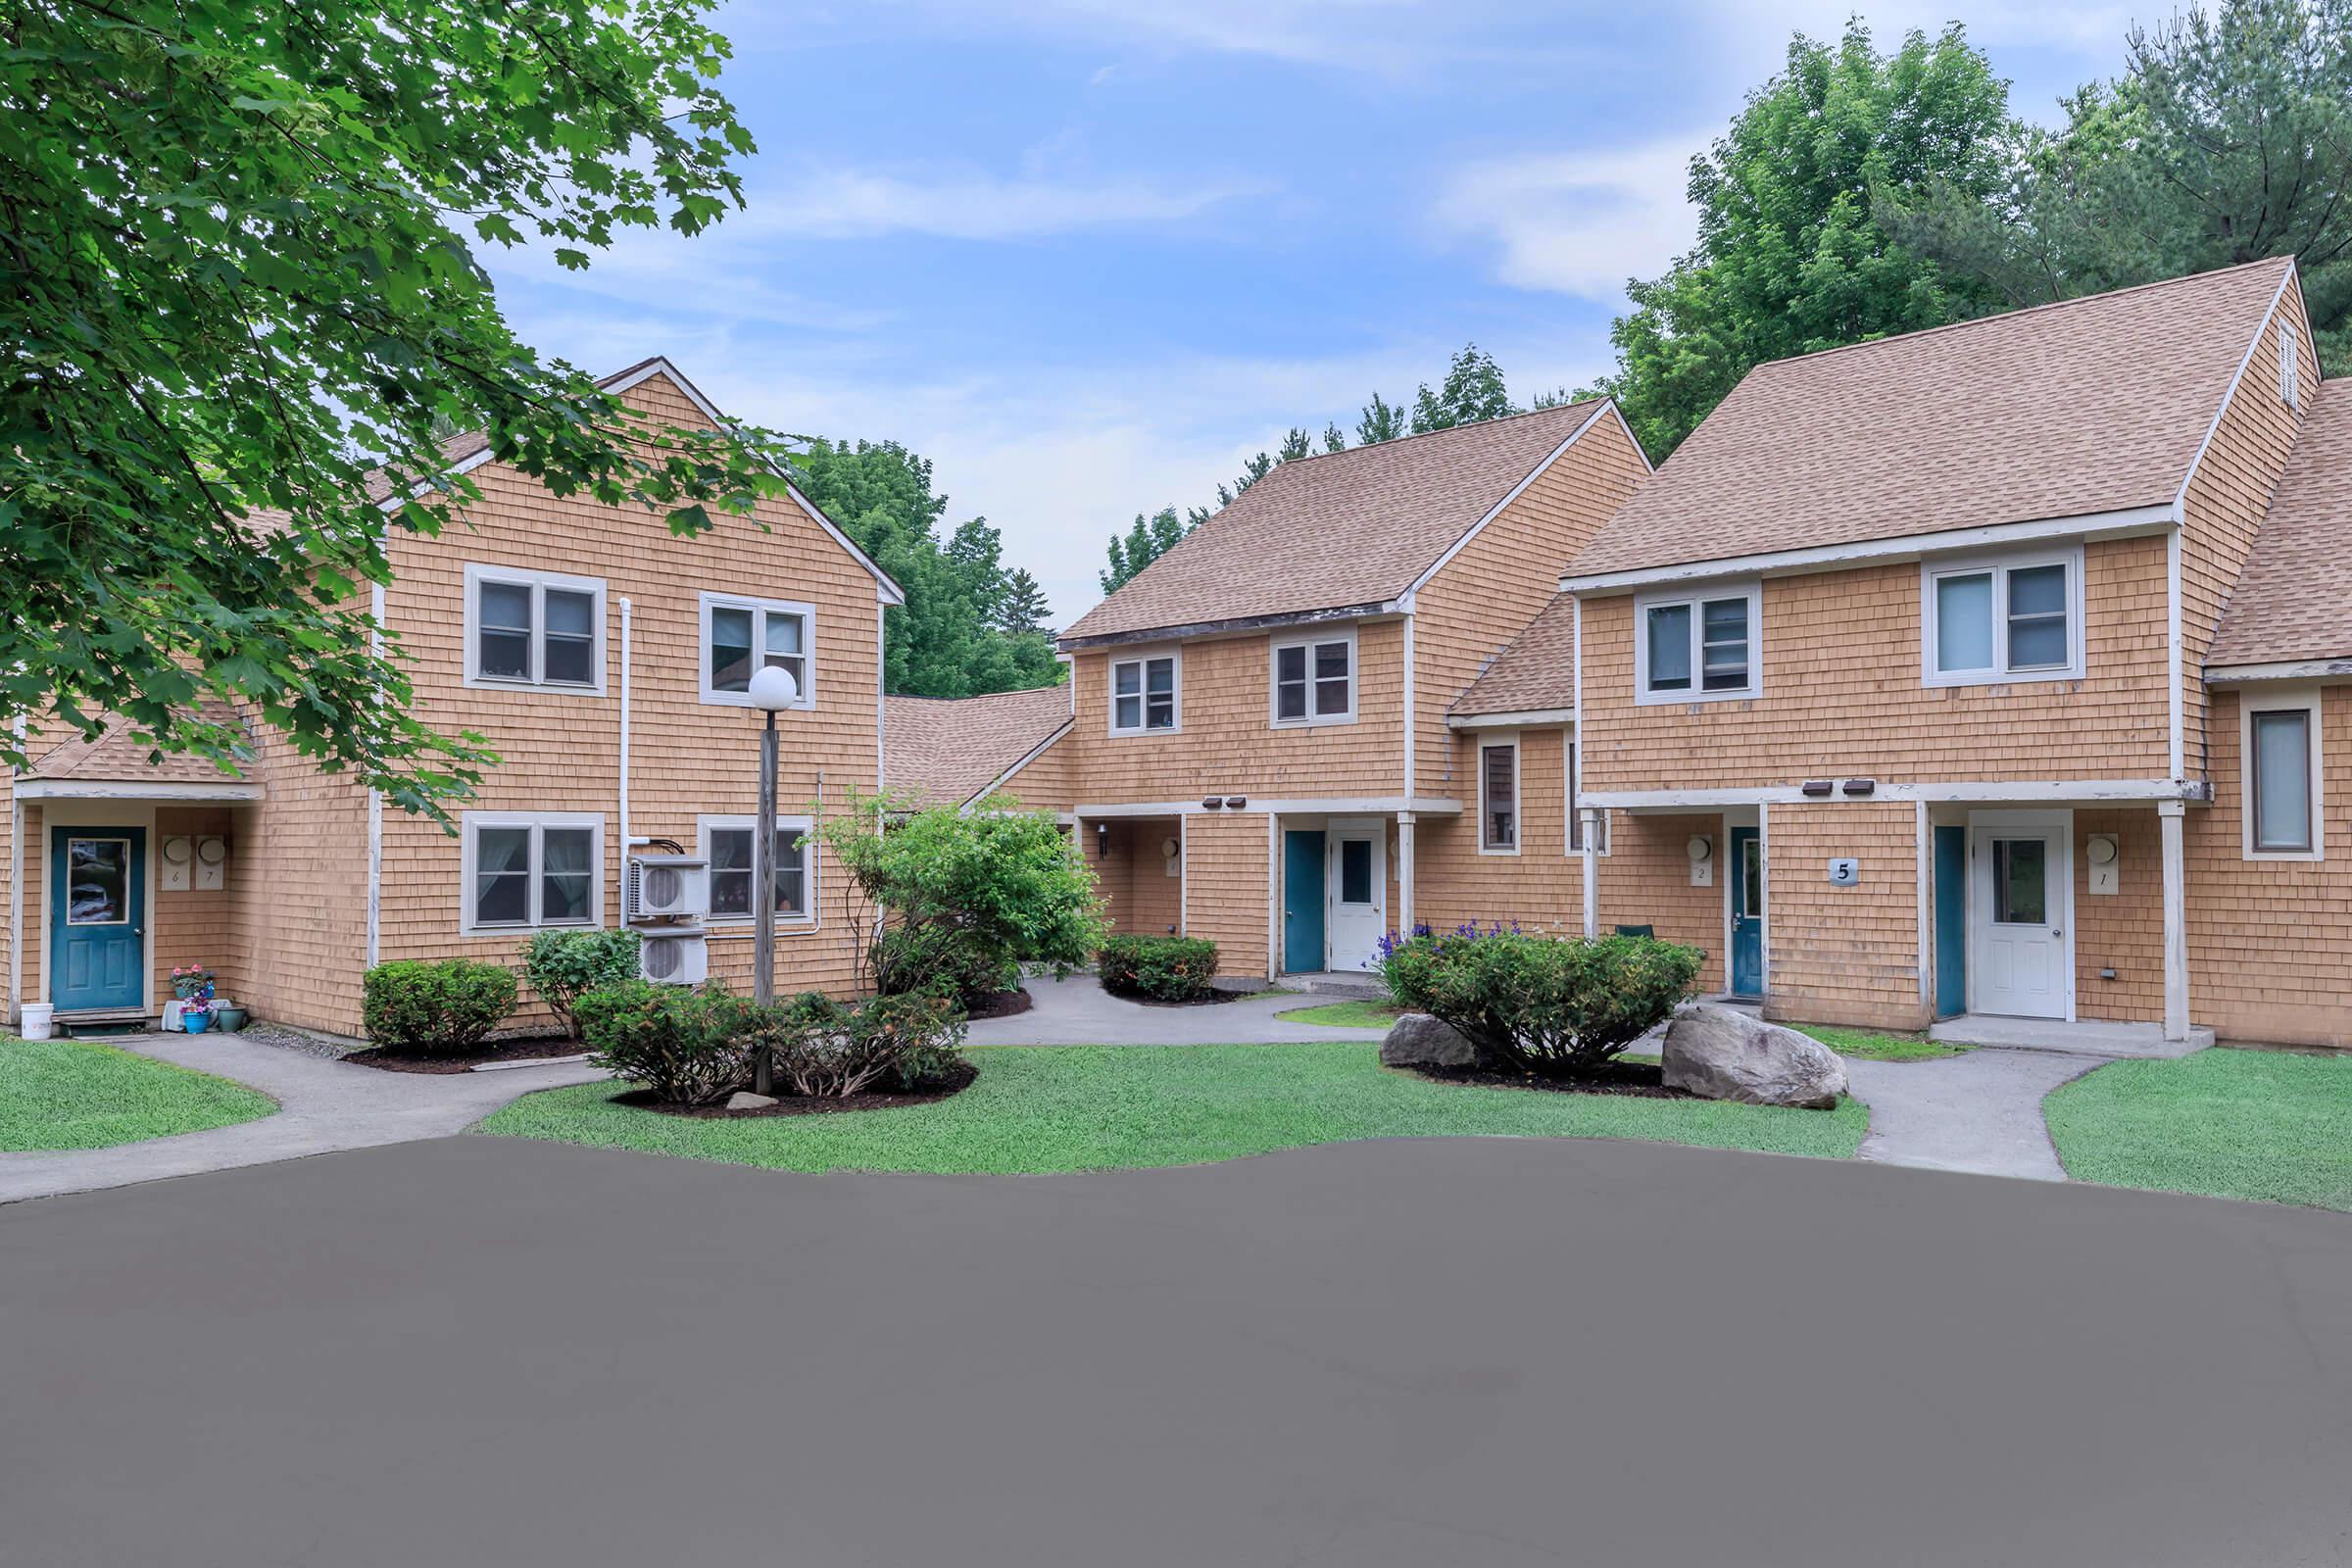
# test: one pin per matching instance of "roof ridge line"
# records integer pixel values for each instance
(1417, 436)
(1812, 354)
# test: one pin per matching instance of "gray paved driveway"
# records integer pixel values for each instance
(1421, 1355)
(1078, 1011)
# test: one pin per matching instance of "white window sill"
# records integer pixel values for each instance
(2030, 677)
(2306, 856)
(1681, 698)
(1144, 734)
(515, 684)
(1313, 724)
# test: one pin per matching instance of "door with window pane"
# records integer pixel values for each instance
(1357, 895)
(2021, 875)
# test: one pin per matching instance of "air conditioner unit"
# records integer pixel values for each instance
(675, 956)
(666, 887)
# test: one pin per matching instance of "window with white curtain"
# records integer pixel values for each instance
(531, 871)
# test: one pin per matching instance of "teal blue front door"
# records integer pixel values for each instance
(1747, 912)
(1302, 951)
(97, 917)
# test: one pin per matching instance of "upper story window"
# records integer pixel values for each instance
(2279, 744)
(2017, 618)
(1499, 797)
(727, 843)
(530, 869)
(741, 635)
(1315, 680)
(2289, 367)
(1144, 694)
(1697, 647)
(534, 628)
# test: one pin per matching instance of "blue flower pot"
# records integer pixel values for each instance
(195, 1023)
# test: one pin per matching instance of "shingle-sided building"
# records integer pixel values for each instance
(605, 660)
(1986, 673)
(1260, 752)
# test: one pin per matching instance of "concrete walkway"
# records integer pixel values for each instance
(1078, 1011)
(326, 1107)
(1978, 1113)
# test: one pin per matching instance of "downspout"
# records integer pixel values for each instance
(15, 887)
(375, 805)
(628, 840)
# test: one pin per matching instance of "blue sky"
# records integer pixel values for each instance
(1088, 254)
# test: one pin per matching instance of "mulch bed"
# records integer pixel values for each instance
(537, 1049)
(1003, 1005)
(1642, 1080)
(955, 1083)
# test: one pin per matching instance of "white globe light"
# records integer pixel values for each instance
(773, 687)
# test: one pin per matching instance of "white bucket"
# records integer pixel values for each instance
(37, 1016)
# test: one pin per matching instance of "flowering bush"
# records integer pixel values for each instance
(1553, 1006)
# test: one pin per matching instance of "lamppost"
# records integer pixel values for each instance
(772, 689)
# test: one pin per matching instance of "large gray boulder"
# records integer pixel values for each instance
(1720, 1052)
(1418, 1040)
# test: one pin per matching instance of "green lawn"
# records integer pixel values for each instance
(2260, 1124)
(73, 1094)
(1870, 1046)
(1346, 1015)
(1112, 1108)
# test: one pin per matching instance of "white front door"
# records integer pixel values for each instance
(1356, 886)
(2021, 878)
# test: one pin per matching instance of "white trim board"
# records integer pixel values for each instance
(1524, 718)
(1031, 755)
(76, 789)
(1366, 805)
(2303, 669)
(2125, 523)
(1990, 793)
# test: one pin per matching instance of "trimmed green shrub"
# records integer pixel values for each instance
(1157, 968)
(561, 966)
(1558, 1007)
(686, 1047)
(830, 1052)
(435, 1009)
(939, 959)
(963, 899)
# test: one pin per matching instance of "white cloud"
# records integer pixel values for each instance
(841, 203)
(1577, 223)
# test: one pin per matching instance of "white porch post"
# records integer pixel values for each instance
(1405, 873)
(1590, 820)
(2176, 923)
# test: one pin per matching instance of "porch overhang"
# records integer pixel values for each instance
(2055, 792)
(228, 792)
(1522, 718)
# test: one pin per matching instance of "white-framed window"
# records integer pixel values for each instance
(1576, 822)
(532, 870)
(1699, 646)
(741, 635)
(2291, 369)
(534, 628)
(1498, 795)
(1315, 680)
(2279, 775)
(727, 843)
(1146, 693)
(2001, 619)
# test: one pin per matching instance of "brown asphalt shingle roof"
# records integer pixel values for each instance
(1332, 533)
(2293, 601)
(121, 755)
(1536, 672)
(2092, 405)
(947, 750)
